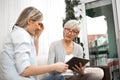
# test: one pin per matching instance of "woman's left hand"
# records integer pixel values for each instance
(79, 69)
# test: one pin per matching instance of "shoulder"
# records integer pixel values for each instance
(19, 31)
(58, 42)
(77, 45)
(78, 50)
(20, 35)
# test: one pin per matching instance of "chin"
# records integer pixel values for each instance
(32, 34)
(68, 39)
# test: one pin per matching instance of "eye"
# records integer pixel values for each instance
(40, 24)
(67, 29)
(74, 31)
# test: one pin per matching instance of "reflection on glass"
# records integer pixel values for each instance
(102, 39)
(97, 35)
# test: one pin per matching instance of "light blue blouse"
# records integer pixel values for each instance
(18, 53)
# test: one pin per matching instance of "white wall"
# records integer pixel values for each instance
(53, 11)
(8, 14)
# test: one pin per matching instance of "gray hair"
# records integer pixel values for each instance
(27, 13)
(72, 24)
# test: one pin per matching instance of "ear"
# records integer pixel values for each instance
(29, 21)
(77, 34)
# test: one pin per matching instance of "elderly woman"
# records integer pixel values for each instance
(18, 58)
(64, 49)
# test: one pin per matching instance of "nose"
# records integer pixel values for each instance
(70, 32)
(39, 27)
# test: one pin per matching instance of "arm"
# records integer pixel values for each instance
(24, 66)
(36, 42)
(51, 54)
(22, 53)
(36, 37)
(79, 69)
(37, 70)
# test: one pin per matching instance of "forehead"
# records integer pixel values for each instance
(72, 27)
(38, 21)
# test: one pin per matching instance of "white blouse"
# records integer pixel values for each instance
(67, 58)
(18, 53)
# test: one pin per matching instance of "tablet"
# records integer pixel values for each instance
(76, 61)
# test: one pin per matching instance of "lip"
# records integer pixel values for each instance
(68, 37)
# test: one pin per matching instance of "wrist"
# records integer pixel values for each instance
(81, 73)
(52, 67)
(36, 38)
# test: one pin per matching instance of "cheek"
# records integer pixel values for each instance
(35, 26)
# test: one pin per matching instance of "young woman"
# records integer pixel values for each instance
(18, 58)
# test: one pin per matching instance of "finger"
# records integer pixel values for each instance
(76, 70)
(80, 64)
(80, 68)
(77, 66)
(64, 70)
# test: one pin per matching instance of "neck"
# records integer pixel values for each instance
(67, 43)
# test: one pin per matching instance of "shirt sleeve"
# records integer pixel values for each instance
(22, 51)
(51, 54)
(79, 51)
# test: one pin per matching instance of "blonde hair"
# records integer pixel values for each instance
(27, 13)
(72, 24)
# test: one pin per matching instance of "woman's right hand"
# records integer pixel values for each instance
(60, 67)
